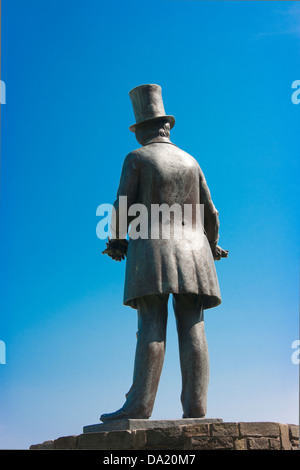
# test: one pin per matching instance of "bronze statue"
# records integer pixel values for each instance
(159, 173)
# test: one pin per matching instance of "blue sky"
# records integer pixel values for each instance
(226, 71)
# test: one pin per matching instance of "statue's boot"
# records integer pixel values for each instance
(122, 414)
(193, 351)
(149, 358)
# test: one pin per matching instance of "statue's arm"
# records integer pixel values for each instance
(128, 187)
(211, 219)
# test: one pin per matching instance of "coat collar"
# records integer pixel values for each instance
(159, 140)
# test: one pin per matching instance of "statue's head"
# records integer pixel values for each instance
(149, 112)
(148, 131)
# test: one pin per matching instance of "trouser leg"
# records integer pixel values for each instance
(150, 353)
(149, 358)
(193, 351)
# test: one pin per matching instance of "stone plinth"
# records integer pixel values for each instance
(134, 424)
(210, 435)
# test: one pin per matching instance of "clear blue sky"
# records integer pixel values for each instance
(226, 70)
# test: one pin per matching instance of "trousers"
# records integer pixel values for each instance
(150, 353)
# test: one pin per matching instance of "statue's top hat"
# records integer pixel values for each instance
(148, 105)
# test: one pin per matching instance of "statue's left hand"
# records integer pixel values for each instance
(116, 249)
(219, 253)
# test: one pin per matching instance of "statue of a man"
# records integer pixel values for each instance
(159, 174)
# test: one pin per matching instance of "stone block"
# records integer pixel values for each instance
(65, 443)
(259, 429)
(119, 440)
(164, 438)
(285, 437)
(295, 444)
(258, 443)
(47, 445)
(196, 430)
(92, 441)
(275, 443)
(225, 429)
(113, 440)
(240, 444)
(209, 443)
(294, 431)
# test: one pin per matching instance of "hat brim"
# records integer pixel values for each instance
(170, 119)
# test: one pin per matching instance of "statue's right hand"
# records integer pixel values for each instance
(219, 253)
(116, 249)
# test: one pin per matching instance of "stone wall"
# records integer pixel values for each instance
(208, 436)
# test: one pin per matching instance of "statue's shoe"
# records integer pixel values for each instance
(122, 414)
(186, 416)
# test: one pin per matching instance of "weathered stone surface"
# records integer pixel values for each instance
(259, 429)
(159, 438)
(284, 437)
(43, 446)
(132, 424)
(119, 440)
(258, 443)
(295, 444)
(205, 436)
(294, 431)
(225, 429)
(210, 443)
(240, 444)
(92, 441)
(113, 440)
(65, 443)
(275, 443)
(197, 430)
(138, 439)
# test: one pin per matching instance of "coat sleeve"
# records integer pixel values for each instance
(211, 215)
(126, 196)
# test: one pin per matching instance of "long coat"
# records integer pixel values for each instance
(161, 173)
